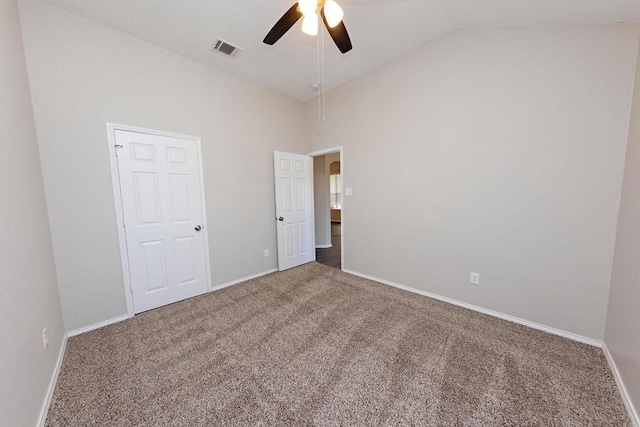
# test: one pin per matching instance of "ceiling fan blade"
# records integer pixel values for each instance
(339, 35)
(282, 26)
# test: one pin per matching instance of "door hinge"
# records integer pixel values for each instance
(123, 223)
(116, 148)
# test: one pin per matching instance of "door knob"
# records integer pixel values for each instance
(197, 227)
(280, 218)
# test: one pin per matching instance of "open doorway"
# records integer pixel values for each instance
(328, 205)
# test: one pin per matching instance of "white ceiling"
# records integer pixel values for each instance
(379, 29)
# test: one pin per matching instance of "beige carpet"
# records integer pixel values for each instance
(315, 346)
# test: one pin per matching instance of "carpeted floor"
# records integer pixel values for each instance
(316, 346)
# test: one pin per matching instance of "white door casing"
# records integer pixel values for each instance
(163, 216)
(324, 152)
(293, 175)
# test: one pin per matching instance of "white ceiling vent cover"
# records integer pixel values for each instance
(226, 48)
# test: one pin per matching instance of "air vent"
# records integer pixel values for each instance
(226, 48)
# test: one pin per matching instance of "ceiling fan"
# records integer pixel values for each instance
(331, 14)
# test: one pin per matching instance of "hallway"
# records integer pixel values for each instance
(332, 256)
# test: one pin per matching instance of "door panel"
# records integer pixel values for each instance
(155, 271)
(294, 196)
(303, 237)
(147, 198)
(160, 185)
(179, 193)
(184, 258)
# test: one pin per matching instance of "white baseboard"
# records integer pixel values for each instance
(125, 316)
(52, 384)
(635, 419)
(54, 378)
(97, 325)
(324, 246)
(243, 279)
(497, 314)
(633, 414)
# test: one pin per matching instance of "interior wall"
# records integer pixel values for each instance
(497, 151)
(623, 315)
(330, 158)
(83, 75)
(321, 202)
(334, 215)
(28, 285)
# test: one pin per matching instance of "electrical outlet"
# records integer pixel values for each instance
(266, 252)
(474, 278)
(45, 339)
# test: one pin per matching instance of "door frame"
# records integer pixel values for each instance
(331, 150)
(119, 211)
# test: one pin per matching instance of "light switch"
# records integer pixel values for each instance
(348, 191)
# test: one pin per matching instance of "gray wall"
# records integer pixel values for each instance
(83, 75)
(623, 317)
(495, 151)
(28, 285)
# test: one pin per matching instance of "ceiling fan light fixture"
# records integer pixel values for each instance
(310, 25)
(307, 7)
(333, 13)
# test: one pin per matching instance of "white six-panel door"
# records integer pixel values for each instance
(160, 184)
(294, 209)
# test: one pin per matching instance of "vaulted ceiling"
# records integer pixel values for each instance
(380, 30)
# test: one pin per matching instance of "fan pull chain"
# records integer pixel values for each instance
(318, 79)
(322, 103)
(324, 106)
